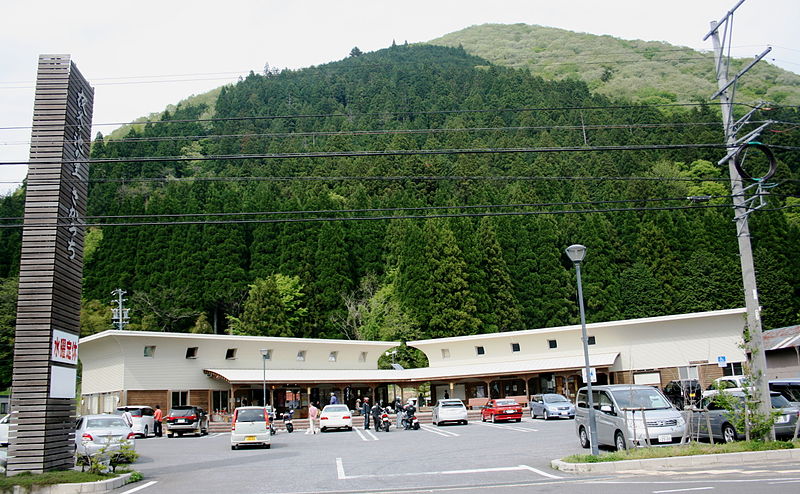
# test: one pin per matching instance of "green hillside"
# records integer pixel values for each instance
(646, 71)
(406, 194)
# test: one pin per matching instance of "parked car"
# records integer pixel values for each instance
(186, 419)
(142, 418)
(95, 432)
(250, 427)
(684, 392)
(722, 427)
(505, 409)
(789, 388)
(730, 383)
(4, 423)
(621, 412)
(335, 417)
(449, 410)
(550, 405)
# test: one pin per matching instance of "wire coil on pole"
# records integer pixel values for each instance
(738, 158)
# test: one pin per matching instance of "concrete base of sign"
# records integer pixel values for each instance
(86, 487)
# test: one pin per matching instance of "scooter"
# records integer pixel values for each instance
(410, 420)
(272, 430)
(385, 420)
(287, 421)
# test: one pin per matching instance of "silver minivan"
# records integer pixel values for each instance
(621, 413)
(250, 427)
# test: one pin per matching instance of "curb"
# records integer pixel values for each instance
(677, 461)
(87, 487)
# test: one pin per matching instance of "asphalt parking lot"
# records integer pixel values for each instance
(358, 460)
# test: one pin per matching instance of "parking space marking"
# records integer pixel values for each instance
(143, 486)
(372, 437)
(429, 428)
(342, 476)
(684, 490)
(508, 427)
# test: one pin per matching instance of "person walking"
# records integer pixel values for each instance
(313, 412)
(158, 416)
(334, 400)
(377, 411)
(126, 415)
(365, 409)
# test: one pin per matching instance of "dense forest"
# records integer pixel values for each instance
(419, 192)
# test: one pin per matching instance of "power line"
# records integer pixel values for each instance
(373, 218)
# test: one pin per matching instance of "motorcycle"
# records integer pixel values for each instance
(272, 430)
(385, 420)
(287, 421)
(410, 420)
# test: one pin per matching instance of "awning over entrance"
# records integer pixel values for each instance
(488, 369)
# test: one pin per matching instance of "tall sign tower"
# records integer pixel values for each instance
(51, 270)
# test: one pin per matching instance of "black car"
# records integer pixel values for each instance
(186, 419)
(683, 392)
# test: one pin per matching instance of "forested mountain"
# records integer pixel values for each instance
(644, 71)
(306, 208)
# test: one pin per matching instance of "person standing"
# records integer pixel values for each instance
(334, 400)
(377, 411)
(313, 412)
(365, 409)
(399, 413)
(126, 415)
(158, 416)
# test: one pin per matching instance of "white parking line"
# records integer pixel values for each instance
(509, 427)
(372, 437)
(342, 476)
(429, 428)
(684, 490)
(143, 486)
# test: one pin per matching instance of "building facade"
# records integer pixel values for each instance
(221, 372)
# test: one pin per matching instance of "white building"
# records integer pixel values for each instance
(220, 372)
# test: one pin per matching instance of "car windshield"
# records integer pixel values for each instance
(250, 415)
(780, 401)
(105, 422)
(555, 399)
(181, 412)
(451, 404)
(505, 403)
(336, 408)
(646, 398)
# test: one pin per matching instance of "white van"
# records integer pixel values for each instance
(143, 421)
(250, 426)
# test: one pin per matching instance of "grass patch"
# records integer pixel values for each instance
(48, 478)
(691, 449)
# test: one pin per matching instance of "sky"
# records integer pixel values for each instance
(150, 54)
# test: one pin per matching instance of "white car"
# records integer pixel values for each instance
(4, 422)
(335, 417)
(143, 419)
(449, 410)
(250, 427)
(102, 432)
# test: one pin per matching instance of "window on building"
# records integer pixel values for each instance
(445, 353)
(733, 369)
(590, 340)
(230, 354)
(689, 372)
(332, 356)
(515, 347)
(150, 351)
(552, 343)
(191, 352)
(362, 357)
(180, 398)
(301, 356)
(480, 350)
(219, 400)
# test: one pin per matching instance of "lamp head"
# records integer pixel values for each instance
(576, 252)
(264, 352)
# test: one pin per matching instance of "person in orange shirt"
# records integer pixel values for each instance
(157, 417)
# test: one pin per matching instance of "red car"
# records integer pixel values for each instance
(497, 410)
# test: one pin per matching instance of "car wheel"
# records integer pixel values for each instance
(583, 437)
(146, 432)
(349, 428)
(619, 441)
(169, 434)
(494, 419)
(518, 420)
(323, 429)
(545, 415)
(728, 433)
(483, 418)
(533, 414)
(267, 446)
(234, 446)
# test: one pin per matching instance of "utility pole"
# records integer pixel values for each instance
(119, 313)
(758, 360)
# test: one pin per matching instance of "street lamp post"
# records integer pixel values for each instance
(576, 253)
(264, 355)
